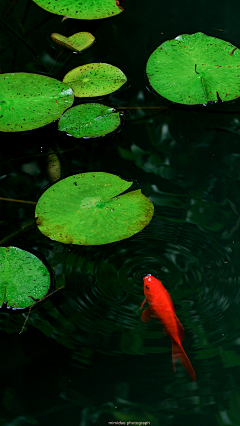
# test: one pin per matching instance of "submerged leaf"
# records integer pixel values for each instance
(29, 101)
(53, 166)
(23, 278)
(86, 209)
(89, 120)
(95, 79)
(195, 69)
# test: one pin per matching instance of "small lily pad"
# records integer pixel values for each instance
(87, 9)
(195, 69)
(87, 209)
(29, 101)
(95, 79)
(23, 278)
(77, 42)
(89, 120)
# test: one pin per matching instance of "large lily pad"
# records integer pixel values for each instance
(77, 42)
(87, 9)
(195, 69)
(89, 120)
(87, 209)
(95, 79)
(29, 101)
(23, 278)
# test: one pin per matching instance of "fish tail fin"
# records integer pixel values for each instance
(179, 353)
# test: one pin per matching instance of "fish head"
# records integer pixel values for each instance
(151, 286)
(147, 284)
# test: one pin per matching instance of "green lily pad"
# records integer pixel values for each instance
(29, 101)
(86, 209)
(23, 278)
(195, 69)
(95, 79)
(77, 42)
(87, 9)
(89, 120)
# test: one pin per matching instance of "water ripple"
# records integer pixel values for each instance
(104, 288)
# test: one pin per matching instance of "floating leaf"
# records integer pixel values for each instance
(86, 209)
(29, 101)
(78, 42)
(87, 9)
(195, 69)
(95, 79)
(23, 278)
(89, 120)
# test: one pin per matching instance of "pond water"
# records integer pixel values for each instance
(85, 357)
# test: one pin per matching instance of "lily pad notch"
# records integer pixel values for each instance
(88, 9)
(195, 69)
(86, 209)
(95, 79)
(77, 42)
(24, 278)
(29, 101)
(90, 120)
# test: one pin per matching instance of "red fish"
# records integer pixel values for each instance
(162, 308)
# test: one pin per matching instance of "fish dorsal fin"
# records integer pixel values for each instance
(147, 315)
(180, 328)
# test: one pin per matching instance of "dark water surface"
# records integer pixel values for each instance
(85, 357)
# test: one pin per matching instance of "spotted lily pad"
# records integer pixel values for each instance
(95, 79)
(87, 209)
(89, 120)
(77, 42)
(29, 101)
(195, 69)
(23, 278)
(87, 9)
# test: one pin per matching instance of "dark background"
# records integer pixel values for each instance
(85, 357)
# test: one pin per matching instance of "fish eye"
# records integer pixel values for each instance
(147, 286)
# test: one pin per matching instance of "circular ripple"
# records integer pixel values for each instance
(107, 282)
(104, 287)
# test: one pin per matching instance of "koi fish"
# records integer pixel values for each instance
(162, 308)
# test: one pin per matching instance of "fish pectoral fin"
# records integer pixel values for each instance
(180, 329)
(143, 303)
(147, 315)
